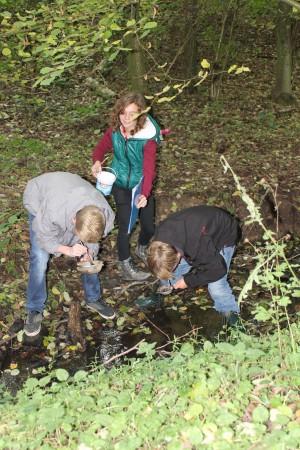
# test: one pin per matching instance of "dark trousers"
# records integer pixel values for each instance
(123, 205)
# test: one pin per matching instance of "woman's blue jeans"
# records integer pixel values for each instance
(37, 285)
(220, 290)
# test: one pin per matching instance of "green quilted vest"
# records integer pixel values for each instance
(129, 155)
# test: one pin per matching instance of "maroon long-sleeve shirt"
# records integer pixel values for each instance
(105, 145)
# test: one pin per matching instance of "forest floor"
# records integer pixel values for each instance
(57, 130)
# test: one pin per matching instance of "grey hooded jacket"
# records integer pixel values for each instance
(53, 199)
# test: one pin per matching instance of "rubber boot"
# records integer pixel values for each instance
(141, 252)
(129, 272)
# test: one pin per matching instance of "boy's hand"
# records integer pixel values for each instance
(141, 201)
(180, 284)
(96, 168)
(85, 258)
(77, 250)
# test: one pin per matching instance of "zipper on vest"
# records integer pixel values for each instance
(129, 163)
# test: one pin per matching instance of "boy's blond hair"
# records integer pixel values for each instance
(162, 258)
(90, 224)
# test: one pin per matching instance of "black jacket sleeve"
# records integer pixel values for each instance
(213, 270)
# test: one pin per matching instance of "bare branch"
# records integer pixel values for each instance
(131, 349)
(156, 327)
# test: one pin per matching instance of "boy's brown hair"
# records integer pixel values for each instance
(90, 224)
(162, 258)
(122, 103)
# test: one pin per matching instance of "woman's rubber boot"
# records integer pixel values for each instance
(141, 252)
(129, 272)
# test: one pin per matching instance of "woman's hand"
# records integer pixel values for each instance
(141, 201)
(96, 168)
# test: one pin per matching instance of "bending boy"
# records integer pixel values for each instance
(194, 247)
(68, 216)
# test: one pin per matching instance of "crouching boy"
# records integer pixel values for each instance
(68, 216)
(193, 248)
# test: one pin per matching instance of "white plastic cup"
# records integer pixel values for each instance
(105, 180)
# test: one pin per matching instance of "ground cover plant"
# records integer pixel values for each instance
(229, 395)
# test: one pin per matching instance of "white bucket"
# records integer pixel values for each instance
(105, 180)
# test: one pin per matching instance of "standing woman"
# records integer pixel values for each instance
(132, 137)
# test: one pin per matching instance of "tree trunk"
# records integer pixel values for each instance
(223, 48)
(190, 51)
(282, 92)
(135, 59)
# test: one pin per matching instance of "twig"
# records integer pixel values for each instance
(9, 338)
(3, 324)
(157, 328)
(180, 337)
(134, 283)
(135, 347)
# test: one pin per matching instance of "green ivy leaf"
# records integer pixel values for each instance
(31, 383)
(130, 23)
(80, 375)
(45, 70)
(6, 51)
(115, 27)
(150, 25)
(260, 414)
(61, 374)
(44, 381)
(194, 411)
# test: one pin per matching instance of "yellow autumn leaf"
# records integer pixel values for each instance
(72, 348)
(242, 69)
(67, 297)
(55, 291)
(232, 68)
(205, 64)
(165, 99)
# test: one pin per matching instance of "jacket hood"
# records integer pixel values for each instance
(147, 132)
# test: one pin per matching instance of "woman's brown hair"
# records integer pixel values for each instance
(122, 103)
(162, 258)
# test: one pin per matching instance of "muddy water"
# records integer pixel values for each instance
(163, 324)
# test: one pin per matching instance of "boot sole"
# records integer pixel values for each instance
(32, 333)
(101, 314)
(164, 292)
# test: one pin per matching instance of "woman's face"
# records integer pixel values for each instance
(128, 117)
